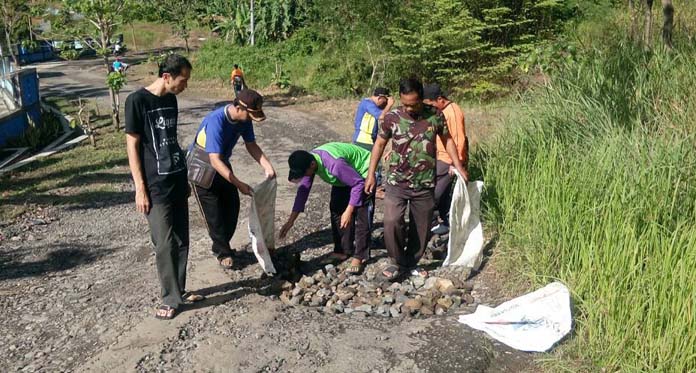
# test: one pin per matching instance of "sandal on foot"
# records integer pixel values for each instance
(419, 271)
(391, 273)
(165, 312)
(226, 262)
(355, 269)
(190, 297)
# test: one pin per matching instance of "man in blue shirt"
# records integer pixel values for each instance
(217, 135)
(370, 111)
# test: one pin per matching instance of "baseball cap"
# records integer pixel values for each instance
(432, 91)
(252, 101)
(381, 91)
(299, 161)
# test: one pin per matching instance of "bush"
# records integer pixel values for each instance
(36, 137)
(596, 186)
(70, 54)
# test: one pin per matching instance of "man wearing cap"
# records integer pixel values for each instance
(344, 167)
(370, 112)
(454, 118)
(412, 128)
(218, 134)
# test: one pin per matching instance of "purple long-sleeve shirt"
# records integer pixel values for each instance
(339, 168)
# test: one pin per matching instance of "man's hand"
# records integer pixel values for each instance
(370, 184)
(346, 217)
(286, 228)
(244, 188)
(270, 173)
(142, 201)
(390, 101)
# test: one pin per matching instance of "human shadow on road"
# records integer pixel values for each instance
(234, 290)
(60, 258)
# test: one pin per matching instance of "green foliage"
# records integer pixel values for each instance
(549, 56)
(595, 186)
(274, 20)
(69, 54)
(36, 137)
(115, 81)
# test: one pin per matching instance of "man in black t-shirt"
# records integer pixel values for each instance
(158, 166)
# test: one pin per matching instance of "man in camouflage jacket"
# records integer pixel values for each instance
(412, 128)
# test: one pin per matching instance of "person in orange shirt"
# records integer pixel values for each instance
(237, 80)
(433, 96)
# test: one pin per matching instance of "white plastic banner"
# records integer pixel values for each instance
(532, 322)
(465, 245)
(261, 223)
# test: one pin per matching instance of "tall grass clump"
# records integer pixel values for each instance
(595, 185)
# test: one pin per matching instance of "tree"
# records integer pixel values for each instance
(14, 13)
(668, 24)
(94, 22)
(179, 14)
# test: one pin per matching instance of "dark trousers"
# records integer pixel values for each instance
(378, 179)
(353, 240)
(421, 204)
(443, 190)
(219, 206)
(169, 228)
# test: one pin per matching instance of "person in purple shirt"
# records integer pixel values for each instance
(344, 167)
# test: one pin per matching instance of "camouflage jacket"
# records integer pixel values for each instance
(412, 160)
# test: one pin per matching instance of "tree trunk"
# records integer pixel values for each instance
(252, 23)
(633, 13)
(648, 23)
(188, 51)
(9, 46)
(668, 24)
(135, 46)
(114, 108)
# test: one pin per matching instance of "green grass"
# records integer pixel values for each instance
(596, 186)
(82, 177)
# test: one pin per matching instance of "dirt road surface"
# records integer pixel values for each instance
(78, 284)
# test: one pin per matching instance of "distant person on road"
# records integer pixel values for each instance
(412, 128)
(217, 135)
(158, 167)
(119, 66)
(344, 167)
(454, 118)
(237, 80)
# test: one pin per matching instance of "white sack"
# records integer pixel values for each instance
(465, 245)
(261, 223)
(532, 322)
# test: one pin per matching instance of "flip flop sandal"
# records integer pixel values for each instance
(394, 271)
(190, 297)
(419, 271)
(226, 266)
(355, 269)
(165, 312)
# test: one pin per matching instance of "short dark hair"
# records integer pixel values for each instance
(236, 66)
(173, 65)
(411, 85)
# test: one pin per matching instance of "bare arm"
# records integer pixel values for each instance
(452, 152)
(226, 172)
(142, 201)
(377, 150)
(258, 155)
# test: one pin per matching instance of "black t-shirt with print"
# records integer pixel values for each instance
(154, 118)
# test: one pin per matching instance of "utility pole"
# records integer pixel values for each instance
(252, 22)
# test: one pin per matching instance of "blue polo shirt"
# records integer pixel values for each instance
(219, 134)
(366, 122)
